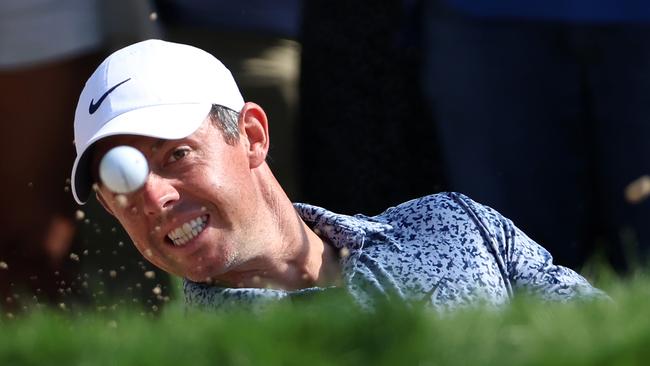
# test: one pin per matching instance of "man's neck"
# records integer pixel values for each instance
(295, 256)
(321, 264)
(306, 261)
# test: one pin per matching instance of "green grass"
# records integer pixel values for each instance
(331, 331)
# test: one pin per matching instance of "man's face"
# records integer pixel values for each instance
(197, 214)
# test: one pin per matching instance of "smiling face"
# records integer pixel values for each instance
(200, 213)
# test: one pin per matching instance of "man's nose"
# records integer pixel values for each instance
(159, 194)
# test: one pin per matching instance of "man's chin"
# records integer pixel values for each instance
(210, 269)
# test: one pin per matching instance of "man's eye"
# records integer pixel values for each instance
(178, 154)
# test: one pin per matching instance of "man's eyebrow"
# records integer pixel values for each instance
(157, 144)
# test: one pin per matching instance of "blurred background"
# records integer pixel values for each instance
(538, 109)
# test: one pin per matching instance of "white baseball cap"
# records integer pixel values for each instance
(152, 88)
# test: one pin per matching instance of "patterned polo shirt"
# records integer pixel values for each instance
(444, 250)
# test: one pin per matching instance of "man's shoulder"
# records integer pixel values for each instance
(439, 203)
(420, 214)
(445, 208)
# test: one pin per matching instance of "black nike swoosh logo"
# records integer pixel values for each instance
(92, 108)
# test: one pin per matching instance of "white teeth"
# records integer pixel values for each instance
(186, 232)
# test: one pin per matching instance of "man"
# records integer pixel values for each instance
(212, 212)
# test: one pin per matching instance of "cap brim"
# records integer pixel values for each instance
(168, 122)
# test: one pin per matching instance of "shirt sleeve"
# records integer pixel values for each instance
(531, 270)
(528, 267)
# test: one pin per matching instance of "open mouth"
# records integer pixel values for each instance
(188, 231)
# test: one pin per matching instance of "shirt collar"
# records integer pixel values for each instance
(342, 231)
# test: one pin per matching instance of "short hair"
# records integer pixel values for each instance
(227, 120)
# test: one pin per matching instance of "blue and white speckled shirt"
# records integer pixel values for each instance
(444, 250)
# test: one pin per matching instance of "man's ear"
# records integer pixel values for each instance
(254, 128)
(101, 200)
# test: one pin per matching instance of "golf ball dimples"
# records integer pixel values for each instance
(123, 169)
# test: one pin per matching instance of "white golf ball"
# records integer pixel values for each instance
(123, 169)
